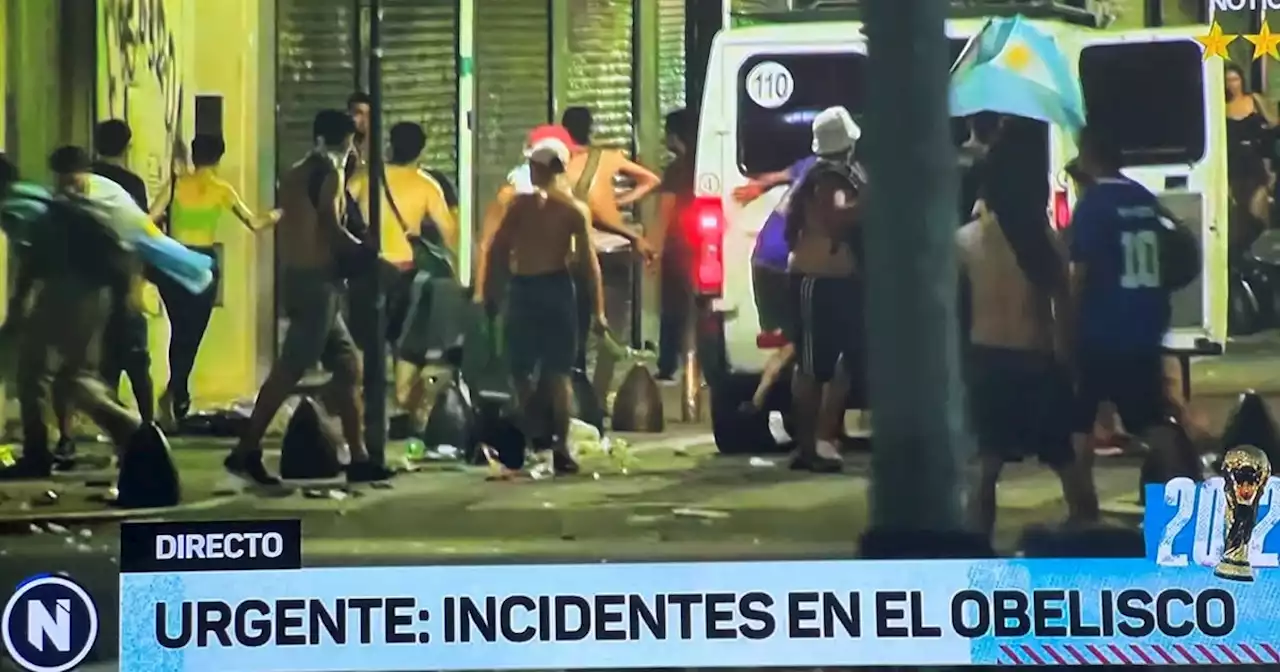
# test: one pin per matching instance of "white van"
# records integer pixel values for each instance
(1151, 87)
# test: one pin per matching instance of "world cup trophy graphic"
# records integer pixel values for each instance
(1245, 471)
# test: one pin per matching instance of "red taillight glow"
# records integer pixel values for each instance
(1061, 210)
(705, 228)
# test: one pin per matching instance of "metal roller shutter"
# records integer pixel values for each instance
(671, 54)
(512, 59)
(599, 68)
(419, 75)
(316, 69)
(754, 6)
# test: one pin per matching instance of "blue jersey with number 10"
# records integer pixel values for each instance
(1115, 233)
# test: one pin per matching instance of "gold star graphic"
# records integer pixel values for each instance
(1265, 43)
(1215, 43)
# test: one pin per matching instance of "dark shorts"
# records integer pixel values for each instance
(126, 333)
(1134, 382)
(317, 332)
(828, 325)
(1020, 405)
(773, 294)
(541, 324)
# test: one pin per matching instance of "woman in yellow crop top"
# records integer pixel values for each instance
(193, 206)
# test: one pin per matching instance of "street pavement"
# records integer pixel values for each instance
(666, 497)
(674, 498)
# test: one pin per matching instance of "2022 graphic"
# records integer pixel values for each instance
(1184, 524)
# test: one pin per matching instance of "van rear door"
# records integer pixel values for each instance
(1153, 91)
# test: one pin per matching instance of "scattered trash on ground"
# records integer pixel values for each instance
(46, 498)
(335, 494)
(761, 462)
(703, 514)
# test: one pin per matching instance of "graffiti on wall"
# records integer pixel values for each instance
(143, 82)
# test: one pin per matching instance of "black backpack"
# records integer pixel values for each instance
(851, 174)
(1180, 260)
(350, 262)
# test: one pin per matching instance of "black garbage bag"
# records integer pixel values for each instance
(436, 319)
(148, 477)
(1252, 425)
(638, 406)
(585, 404)
(308, 452)
(1188, 462)
(499, 428)
(484, 366)
(452, 421)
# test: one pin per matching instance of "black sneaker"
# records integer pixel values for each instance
(28, 469)
(816, 464)
(66, 448)
(368, 472)
(563, 464)
(181, 408)
(250, 468)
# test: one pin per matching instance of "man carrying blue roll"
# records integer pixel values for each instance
(81, 249)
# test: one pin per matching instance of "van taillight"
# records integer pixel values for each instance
(1061, 210)
(705, 230)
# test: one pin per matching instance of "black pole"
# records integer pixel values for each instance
(1154, 13)
(375, 354)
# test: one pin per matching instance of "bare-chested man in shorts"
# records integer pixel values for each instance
(314, 200)
(825, 273)
(541, 237)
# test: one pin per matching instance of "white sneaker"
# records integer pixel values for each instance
(829, 450)
(778, 428)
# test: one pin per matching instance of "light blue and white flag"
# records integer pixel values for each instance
(1012, 67)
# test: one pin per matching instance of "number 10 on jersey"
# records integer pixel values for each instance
(1184, 519)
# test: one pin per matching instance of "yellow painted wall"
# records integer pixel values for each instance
(4, 113)
(153, 62)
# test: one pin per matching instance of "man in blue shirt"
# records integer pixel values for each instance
(1121, 300)
(769, 280)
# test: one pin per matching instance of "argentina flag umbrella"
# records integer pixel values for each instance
(1012, 67)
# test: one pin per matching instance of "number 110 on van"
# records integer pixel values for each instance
(1192, 518)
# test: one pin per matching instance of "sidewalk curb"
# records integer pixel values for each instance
(116, 515)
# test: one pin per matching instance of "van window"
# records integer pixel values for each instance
(1149, 97)
(778, 100)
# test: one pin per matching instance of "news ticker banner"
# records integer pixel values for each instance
(191, 611)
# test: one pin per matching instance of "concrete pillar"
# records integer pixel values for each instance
(911, 316)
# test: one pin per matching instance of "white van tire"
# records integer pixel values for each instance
(738, 432)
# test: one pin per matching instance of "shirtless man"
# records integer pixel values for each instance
(359, 107)
(592, 173)
(1018, 337)
(824, 269)
(540, 238)
(313, 196)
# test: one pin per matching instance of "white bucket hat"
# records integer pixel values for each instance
(834, 131)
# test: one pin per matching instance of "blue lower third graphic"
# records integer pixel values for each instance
(1185, 524)
(729, 614)
(50, 624)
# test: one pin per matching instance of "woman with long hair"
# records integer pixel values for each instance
(1018, 342)
(1249, 134)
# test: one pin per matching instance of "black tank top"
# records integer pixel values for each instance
(1247, 140)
